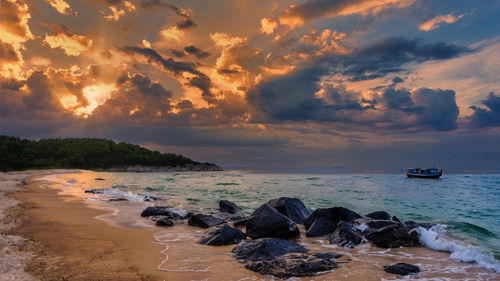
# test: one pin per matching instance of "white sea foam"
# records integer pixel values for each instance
(459, 252)
(123, 194)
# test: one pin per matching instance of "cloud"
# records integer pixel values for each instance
(199, 53)
(61, 6)
(298, 15)
(70, 44)
(187, 21)
(197, 79)
(173, 33)
(268, 25)
(437, 21)
(117, 13)
(486, 117)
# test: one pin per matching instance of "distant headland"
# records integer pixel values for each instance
(91, 154)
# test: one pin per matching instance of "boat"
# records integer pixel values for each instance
(430, 173)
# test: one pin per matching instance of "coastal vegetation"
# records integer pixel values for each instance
(84, 153)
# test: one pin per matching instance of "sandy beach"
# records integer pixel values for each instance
(49, 236)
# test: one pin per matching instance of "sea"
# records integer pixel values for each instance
(465, 208)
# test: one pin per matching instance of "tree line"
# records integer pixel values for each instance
(80, 153)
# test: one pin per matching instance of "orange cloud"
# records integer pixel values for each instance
(71, 44)
(172, 33)
(61, 6)
(437, 21)
(268, 25)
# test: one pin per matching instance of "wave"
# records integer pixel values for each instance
(459, 252)
(123, 194)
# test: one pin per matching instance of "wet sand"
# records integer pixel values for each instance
(72, 241)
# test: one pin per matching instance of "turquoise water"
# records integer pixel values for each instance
(467, 207)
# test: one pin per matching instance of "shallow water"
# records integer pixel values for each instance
(465, 206)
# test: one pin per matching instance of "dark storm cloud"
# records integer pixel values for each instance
(439, 109)
(187, 22)
(199, 53)
(489, 117)
(200, 80)
(399, 100)
(388, 55)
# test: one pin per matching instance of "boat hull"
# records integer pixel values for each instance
(423, 176)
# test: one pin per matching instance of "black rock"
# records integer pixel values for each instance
(149, 198)
(188, 216)
(99, 179)
(345, 235)
(401, 268)
(265, 249)
(164, 222)
(240, 223)
(223, 235)
(327, 255)
(95, 190)
(160, 211)
(229, 207)
(204, 221)
(393, 236)
(292, 208)
(293, 265)
(378, 224)
(396, 219)
(335, 214)
(321, 227)
(118, 199)
(268, 222)
(380, 215)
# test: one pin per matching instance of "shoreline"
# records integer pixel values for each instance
(73, 240)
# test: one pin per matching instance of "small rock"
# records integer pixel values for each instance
(223, 235)
(379, 215)
(265, 249)
(160, 211)
(345, 235)
(229, 207)
(393, 236)
(401, 268)
(99, 179)
(204, 221)
(95, 190)
(118, 199)
(293, 265)
(164, 222)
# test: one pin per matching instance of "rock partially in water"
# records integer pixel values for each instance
(118, 199)
(321, 227)
(229, 207)
(335, 214)
(204, 221)
(265, 249)
(379, 215)
(292, 208)
(95, 190)
(402, 268)
(378, 224)
(99, 179)
(393, 236)
(268, 222)
(293, 265)
(164, 222)
(149, 198)
(160, 211)
(223, 235)
(345, 235)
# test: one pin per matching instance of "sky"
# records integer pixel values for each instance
(316, 84)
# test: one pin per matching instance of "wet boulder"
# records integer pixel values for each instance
(292, 208)
(378, 224)
(164, 222)
(379, 215)
(293, 265)
(268, 222)
(321, 227)
(335, 214)
(204, 221)
(160, 211)
(401, 268)
(265, 249)
(345, 235)
(393, 236)
(222, 235)
(229, 207)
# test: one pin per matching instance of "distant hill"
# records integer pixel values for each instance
(89, 153)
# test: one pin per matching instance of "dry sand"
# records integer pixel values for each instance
(69, 242)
